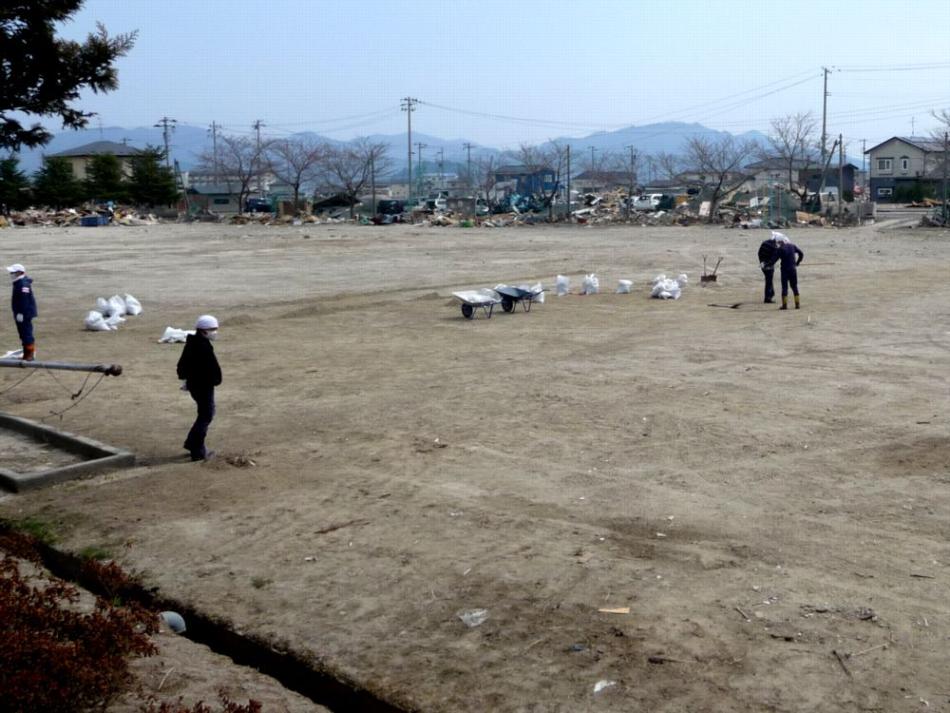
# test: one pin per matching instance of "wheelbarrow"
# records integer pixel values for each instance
(711, 277)
(473, 300)
(510, 296)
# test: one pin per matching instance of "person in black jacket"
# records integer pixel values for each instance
(198, 368)
(768, 256)
(791, 257)
(24, 309)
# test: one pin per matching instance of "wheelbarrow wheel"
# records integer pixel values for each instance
(468, 311)
(507, 304)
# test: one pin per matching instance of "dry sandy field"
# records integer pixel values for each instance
(698, 507)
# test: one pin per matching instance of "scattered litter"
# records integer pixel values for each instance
(614, 610)
(174, 620)
(474, 617)
(667, 289)
(13, 354)
(623, 287)
(173, 335)
(603, 685)
(95, 322)
(110, 313)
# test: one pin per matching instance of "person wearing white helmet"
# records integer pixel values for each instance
(790, 256)
(768, 256)
(198, 367)
(23, 303)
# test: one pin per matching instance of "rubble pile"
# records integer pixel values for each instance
(71, 216)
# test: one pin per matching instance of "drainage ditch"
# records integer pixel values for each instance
(291, 670)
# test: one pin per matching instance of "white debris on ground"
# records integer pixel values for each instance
(667, 288)
(173, 335)
(591, 285)
(562, 285)
(110, 313)
(623, 287)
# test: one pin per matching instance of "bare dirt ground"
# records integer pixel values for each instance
(767, 491)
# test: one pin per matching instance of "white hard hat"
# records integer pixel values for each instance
(206, 321)
(780, 237)
(16, 267)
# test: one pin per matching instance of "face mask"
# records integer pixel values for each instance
(212, 336)
(15, 276)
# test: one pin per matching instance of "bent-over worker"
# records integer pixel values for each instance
(790, 257)
(768, 256)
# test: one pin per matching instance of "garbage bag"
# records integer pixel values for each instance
(132, 306)
(117, 306)
(102, 306)
(173, 335)
(94, 322)
(591, 284)
(623, 287)
(562, 285)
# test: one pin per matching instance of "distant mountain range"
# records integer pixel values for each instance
(189, 142)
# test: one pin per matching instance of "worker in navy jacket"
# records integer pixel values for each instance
(768, 256)
(790, 257)
(198, 368)
(23, 303)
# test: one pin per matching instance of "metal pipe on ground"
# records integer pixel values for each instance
(107, 369)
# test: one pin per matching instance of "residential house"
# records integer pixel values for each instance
(905, 164)
(80, 156)
(770, 173)
(525, 180)
(215, 197)
(602, 181)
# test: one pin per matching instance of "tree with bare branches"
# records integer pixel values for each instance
(719, 161)
(549, 160)
(236, 165)
(791, 147)
(484, 179)
(295, 161)
(668, 165)
(348, 168)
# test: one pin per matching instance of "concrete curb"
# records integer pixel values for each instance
(97, 457)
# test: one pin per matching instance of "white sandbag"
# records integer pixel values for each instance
(623, 287)
(114, 320)
(173, 335)
(658, 279)
(94, 322)
(538, 289)
(682, 279)
(117, 306)
(132, 306)
(666, 290)
(562, 285)
(591, 284)
(102, 306)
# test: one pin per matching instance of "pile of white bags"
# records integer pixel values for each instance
(668, 289)
(110, 313)
(591, 285)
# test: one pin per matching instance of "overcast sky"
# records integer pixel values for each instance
(500, 72)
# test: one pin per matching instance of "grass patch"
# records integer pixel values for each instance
(94, 552)
(35, 527)
(260, 582)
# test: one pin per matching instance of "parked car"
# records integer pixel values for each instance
(650, 201)
(390, 207)
(257, 205)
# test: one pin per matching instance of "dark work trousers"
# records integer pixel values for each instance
(769, 273)
(25, 330)
(195, 443)
(789, 277)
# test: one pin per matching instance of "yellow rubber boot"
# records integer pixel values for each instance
(784, 303)
(798, 305)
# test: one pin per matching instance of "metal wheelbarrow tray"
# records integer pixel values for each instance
(472, 300)
(510, 296)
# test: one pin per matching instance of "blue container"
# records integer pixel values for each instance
(91, 221)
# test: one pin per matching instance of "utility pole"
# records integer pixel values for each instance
(419, 147)
(441, 168)
(214, 149)
(468, 147)
(824, 114)
(840, 174)
(946, 160)
(592, 150)
(408, 105)
(568, 183)
(913, 125)
(372, 177)
(257, 155)
(633, 163)
(167, 126)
